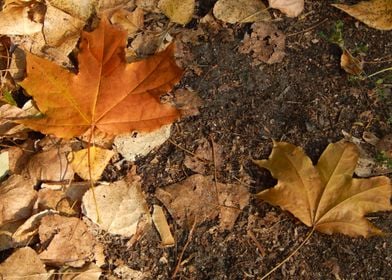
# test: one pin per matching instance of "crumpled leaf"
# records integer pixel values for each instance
(100, 96)
(374, 13)
(99, 158)
(179, 11)
(266, 43)
(121, 207)
(291, 8)
(70, 241)
(233, 11)
(326, 197)
(131, 146)
(24, 263)
(350, 64)
(195, 200)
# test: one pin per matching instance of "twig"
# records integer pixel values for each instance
(183, 249)
(289, 256)
(187, 151)
(258, 245)
(213, 153)
(307, 29)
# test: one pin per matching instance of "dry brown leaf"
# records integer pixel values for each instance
(100, 95)
(178, 11)
(50, 165)
(291, 8)
(70, 242)
(17, 197)
(6, 232)
(188, 102)
(326, 197)
(84, 167)
(195, 200)
(266, 43)
(203, 159)
(375, 13)
(24, 263)
(351, 64)
(121, 207)
(56, 200)
(87, 272)
(233, 11)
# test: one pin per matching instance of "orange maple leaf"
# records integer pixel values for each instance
(107, 94)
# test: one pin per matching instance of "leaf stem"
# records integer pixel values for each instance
(289, 256)
(90, 175)
(379, 72)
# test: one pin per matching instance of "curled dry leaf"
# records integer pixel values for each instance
(350, 64)
(129, 21)
(266, 43)
(160, 222)
(178, 11)
(84, 167)
(24, 263)
(325, 196)
(233, 11)
(69, 241)
(121, 207)
(291, 8)
(107, 94)
(375, 13)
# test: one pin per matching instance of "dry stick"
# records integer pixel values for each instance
(307, 29)
(183, 249)
(187, 151)
(215, 174)
(379, 72)
(258, 245)
(90, 175)
(289, 256)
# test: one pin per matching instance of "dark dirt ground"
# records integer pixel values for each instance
(307, 100)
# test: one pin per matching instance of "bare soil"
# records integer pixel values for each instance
(307, 100)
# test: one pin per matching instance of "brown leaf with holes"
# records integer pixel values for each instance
(107, 94)
(325, 196)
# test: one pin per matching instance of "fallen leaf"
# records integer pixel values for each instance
(326, 197)
(100, 96)
(50, 165)
(195, 200)
(87, 272)
(21, 17)
(351, 64)
(125, 272)
(69, 241)
(6, 232)
(160, 222)
(56, 200)
(99, 158)
(24, 263)
(187, 102)
(131, 146)
(266, 43)
(233, 11)
(374, 13)
(17, 197)
(292, 8)
(4, 164)
(203, 158)
(121, 207)
(129, 21)
(178, 11)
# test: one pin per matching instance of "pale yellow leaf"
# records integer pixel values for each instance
(233, 11)
(178, 11)
(160, 222)
(375, 13)
(99, 158)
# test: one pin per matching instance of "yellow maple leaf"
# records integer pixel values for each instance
(375, 13)
(325, 196)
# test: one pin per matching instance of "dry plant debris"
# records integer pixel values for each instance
(374, 13)
(73, 104)
(325, 196)
(179, 11)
